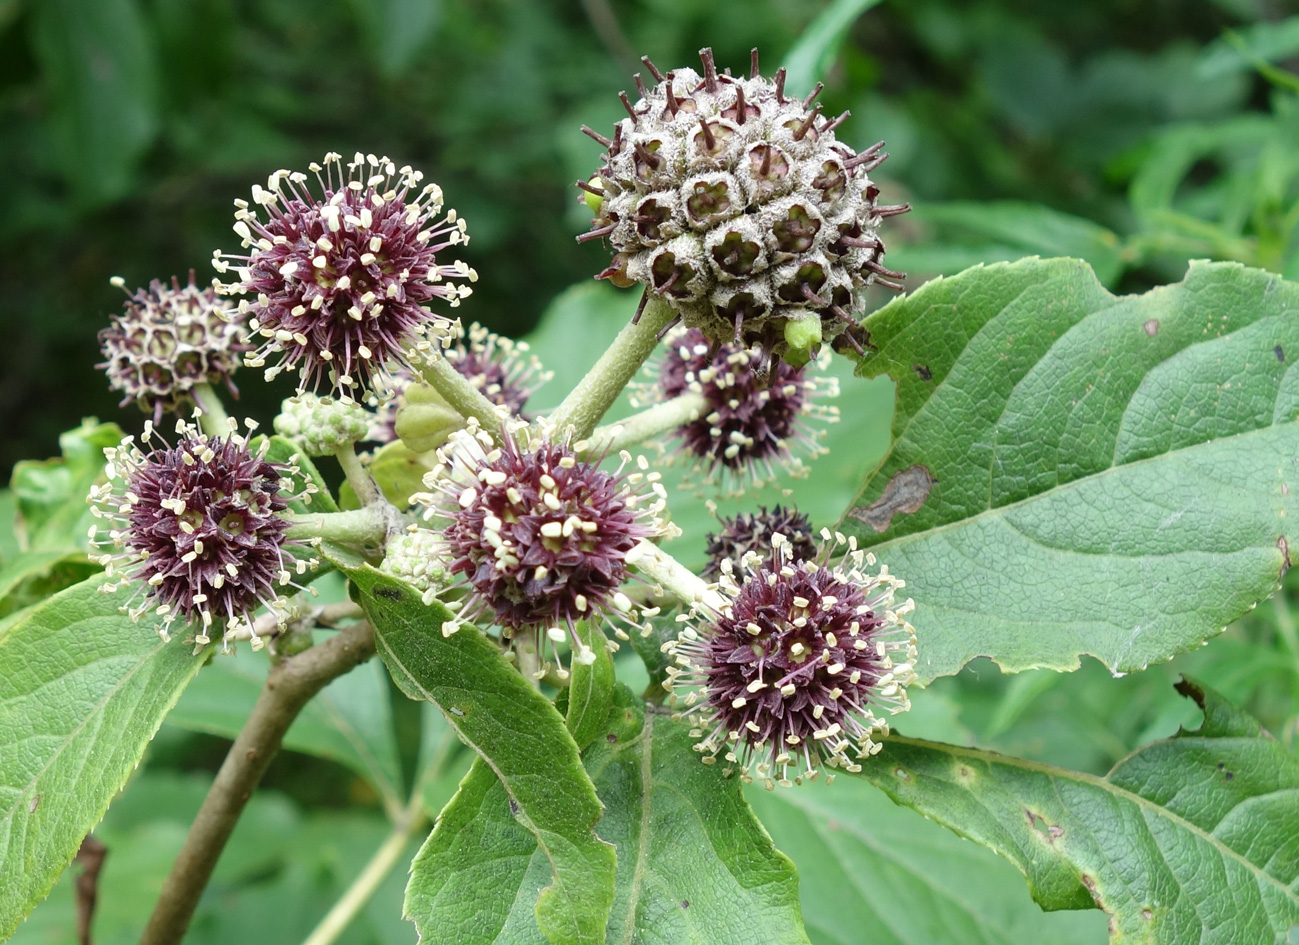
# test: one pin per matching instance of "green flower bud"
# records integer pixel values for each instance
(322, 426)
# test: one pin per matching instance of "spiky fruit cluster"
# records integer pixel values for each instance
(322, 426)
(540, 536)
(196, 528)
(754, 421)
(735, 204)
(503, 369)
(169, 339)
(749, 533)
(789, 675)
(340, 281)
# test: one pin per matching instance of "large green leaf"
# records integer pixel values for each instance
(31, 576)
(350, 721)
(82, 690)
(52, 511)
(520, 736)
(1190, 839)
(1077, 473)
(694, 866)
(872, 872)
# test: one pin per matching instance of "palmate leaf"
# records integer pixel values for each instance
(694, 866)
(1190, 839)
(1073, 472)
(82, 690)
(522, 739)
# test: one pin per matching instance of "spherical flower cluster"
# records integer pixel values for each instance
(747, 534)
(788, 676)
(420, 558)
(340, 281)
(503, 369)
(196, 528)
(735, 204)
(320, 425)
(752, 419)
(169, 339)
(539, 536)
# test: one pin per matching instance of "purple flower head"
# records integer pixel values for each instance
(748, 533)
(539, 536)
(753, 421)
(340, 281)
(788, 676)
(168, 339)
(501, 368)
(197, 529)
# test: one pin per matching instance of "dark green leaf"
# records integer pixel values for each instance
(52, 509)
(694, 866)
(870, 871)
(82, 690)
(1026, 229)
(98, 63)
(521, 737)
(1078, 473)
(1189, 839)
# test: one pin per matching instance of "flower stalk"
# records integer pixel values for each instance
(646, 425)
(460, 393)
(369, 525)
(213, 419)
(595, 393)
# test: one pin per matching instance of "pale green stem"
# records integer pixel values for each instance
(595, 394)
(410, 821)
(655, 421)
(358, 526)
(1285, 626)
(457, 391)
(674, 577)
(529, 659)
(345, 910)
(360, 481)
(213, 420)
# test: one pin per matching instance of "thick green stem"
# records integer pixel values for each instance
(457, 391)
(595, 394)
(647, 424)
(674, 577)
(361, 482)
(369, 525)
(213, 420)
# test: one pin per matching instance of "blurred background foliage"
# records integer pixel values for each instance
(1134, 133)
(1137, 134)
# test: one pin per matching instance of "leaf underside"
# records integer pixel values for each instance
(1078, 473)
(694, 866)
(1190, 839)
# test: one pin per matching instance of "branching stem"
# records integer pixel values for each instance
(655, 421)
(361, 482)
(457, 391)
(595, 393)
(369, 525)
(675, 578)
(289, 686)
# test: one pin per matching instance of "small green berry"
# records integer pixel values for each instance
(322, 426)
